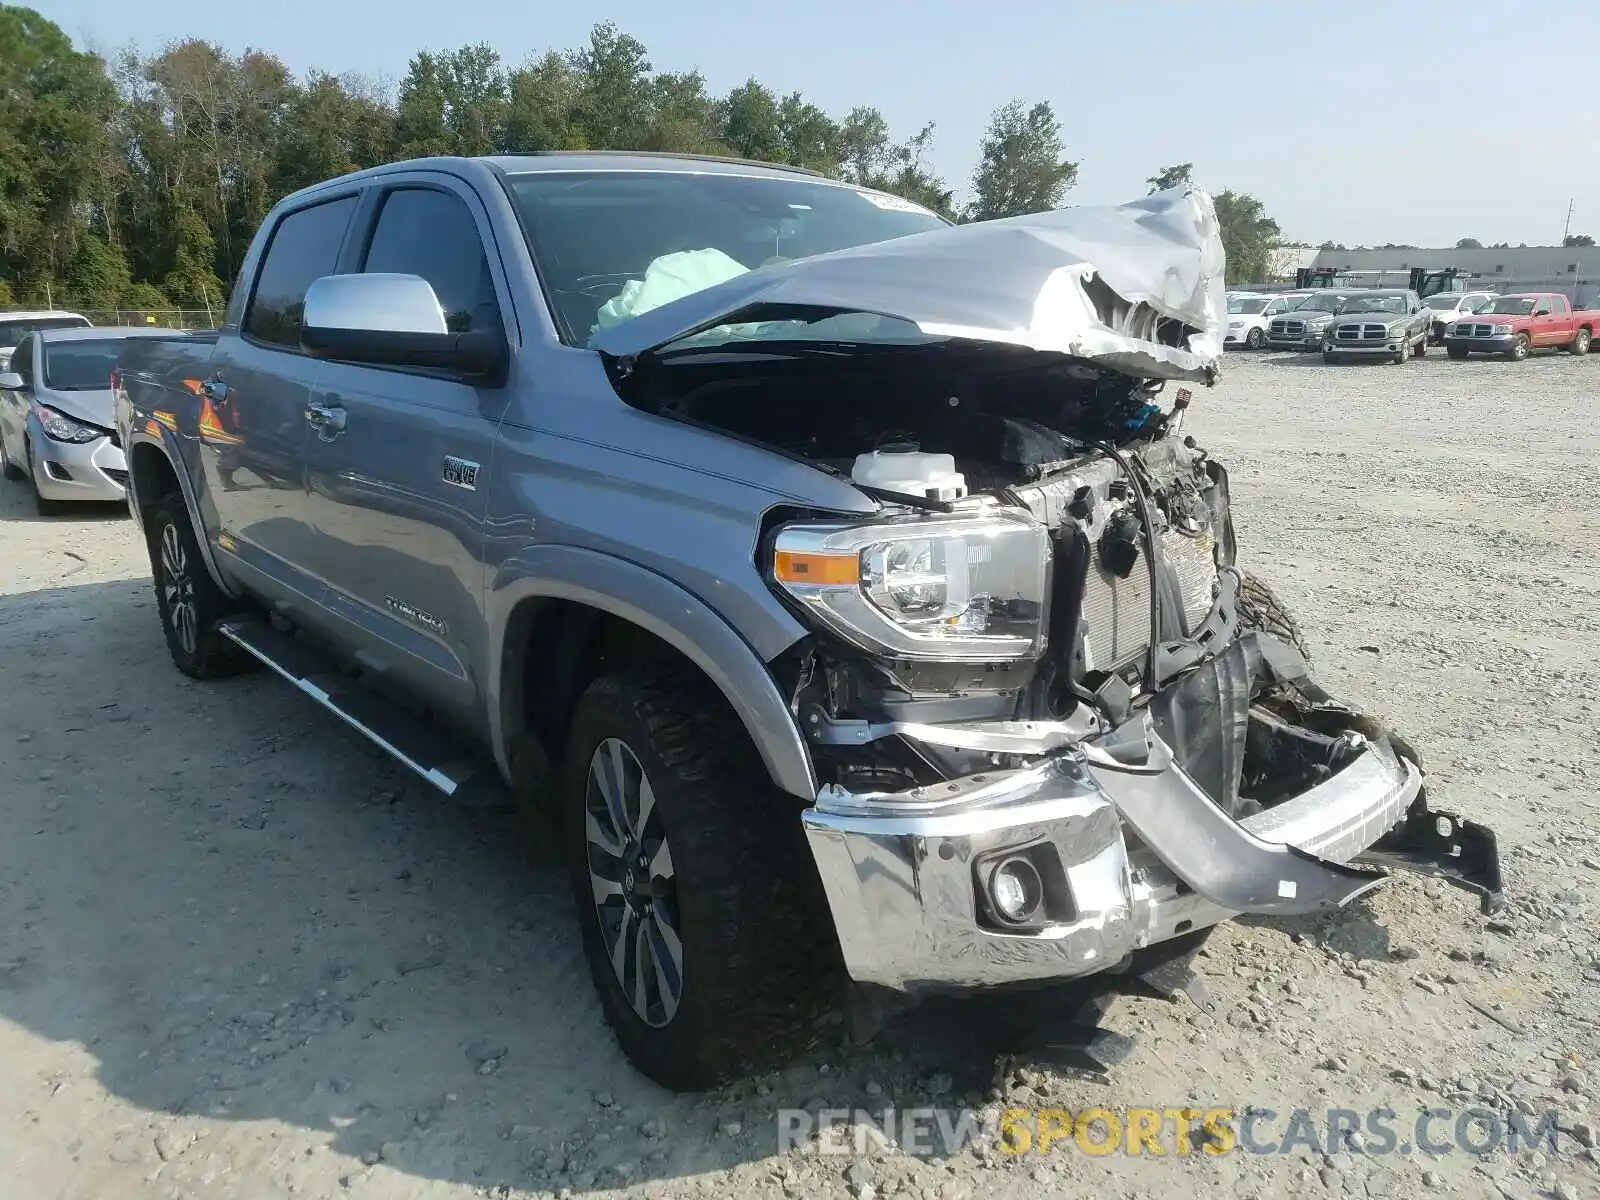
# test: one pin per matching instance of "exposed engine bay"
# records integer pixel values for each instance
(1141, 608)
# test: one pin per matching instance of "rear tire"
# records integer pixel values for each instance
(1580, 342)
(1260, 609)
(188, 599)
(717, 897)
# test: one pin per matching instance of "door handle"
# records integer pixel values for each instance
(327, 420)
(215, 390)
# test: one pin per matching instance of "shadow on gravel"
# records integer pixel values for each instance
(17, 504)
(245, 913)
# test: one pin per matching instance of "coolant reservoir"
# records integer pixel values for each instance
(910, 472)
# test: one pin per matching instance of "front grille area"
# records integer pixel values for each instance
(1116, 612)
(1360, 333)
(1481, 331)
(1281, 328)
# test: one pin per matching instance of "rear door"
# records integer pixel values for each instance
(397, 479)
(253, 428)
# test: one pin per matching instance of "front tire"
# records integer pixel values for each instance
(1520, 348)
(1254, 339)
(703, 920)
(1260, 609)
(1580, 342)
(44, 507)
(188, 599)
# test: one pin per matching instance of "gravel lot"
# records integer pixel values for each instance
(242, 955)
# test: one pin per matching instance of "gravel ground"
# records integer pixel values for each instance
(242, 955)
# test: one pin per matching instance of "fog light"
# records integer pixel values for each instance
(1016, 889)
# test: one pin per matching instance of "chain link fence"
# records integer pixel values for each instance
(158, 318)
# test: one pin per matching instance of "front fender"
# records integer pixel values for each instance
(658, 605)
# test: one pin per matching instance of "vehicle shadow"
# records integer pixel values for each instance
(17, 504)
(243, 914)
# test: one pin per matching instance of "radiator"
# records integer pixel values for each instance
(1116, 612)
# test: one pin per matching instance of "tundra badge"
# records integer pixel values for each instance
(460, 472)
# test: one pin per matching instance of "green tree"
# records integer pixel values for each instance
(1177, 175)
(1469, 244)
(614, 106)
(1248, 236)
(1578, 239)
(1020, 167)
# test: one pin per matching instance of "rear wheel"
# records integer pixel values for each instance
(1260, 609)
(188, 599)
(1580, 342)
(1520, 347)
(702, 916)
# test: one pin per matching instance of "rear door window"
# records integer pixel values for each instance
(304, 247)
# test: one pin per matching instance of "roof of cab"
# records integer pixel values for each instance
(99, 333)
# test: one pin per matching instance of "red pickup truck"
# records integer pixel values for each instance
(1518, 324)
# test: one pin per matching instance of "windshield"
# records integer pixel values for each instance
(13, 331)
(1375, 304)
(1322, 303)
(1246, 305)
(80, 366)
(1512, 306)
(1447, 300)
(612, 244)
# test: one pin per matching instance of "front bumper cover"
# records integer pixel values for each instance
(1144, 855)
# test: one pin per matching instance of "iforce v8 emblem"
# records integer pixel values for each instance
(460, 472)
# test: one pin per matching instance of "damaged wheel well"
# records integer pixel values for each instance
(554, 650)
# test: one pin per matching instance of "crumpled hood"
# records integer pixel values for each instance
(1137, 287)
(94, 407)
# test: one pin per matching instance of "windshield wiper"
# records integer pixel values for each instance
(796, 348)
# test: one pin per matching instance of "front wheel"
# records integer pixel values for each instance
(1520, 347)
(1254, 339)
(188, 599)
(703, 920)
(1580, 342)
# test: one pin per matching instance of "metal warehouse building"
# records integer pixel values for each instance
(1574, 270)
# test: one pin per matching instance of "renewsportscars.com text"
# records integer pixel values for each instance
(1174, 1130)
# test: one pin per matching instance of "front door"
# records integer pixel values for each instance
(399, 460)
(253, 432)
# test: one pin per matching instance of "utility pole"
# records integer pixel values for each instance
(1566, 230)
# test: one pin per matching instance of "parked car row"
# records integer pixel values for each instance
(1397, 323)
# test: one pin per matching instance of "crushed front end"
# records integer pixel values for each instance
(1053, 720)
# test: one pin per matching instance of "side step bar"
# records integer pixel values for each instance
(405, 738)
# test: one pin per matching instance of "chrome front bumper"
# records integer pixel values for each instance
(1144, 856)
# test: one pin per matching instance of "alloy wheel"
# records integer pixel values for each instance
(178, 588)
(633, 882)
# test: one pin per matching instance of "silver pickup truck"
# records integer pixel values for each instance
(837, 579)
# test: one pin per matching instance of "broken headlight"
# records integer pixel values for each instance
(935, 588)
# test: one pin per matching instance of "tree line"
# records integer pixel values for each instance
(137, 182)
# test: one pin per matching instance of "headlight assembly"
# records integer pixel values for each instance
(932, 588)
(63, 428)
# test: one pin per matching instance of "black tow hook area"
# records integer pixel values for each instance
(1458, 851)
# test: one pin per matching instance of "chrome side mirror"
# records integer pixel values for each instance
(376, 303)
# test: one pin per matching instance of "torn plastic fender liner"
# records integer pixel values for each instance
(1210, 851)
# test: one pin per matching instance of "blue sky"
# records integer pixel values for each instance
(1363, 124)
